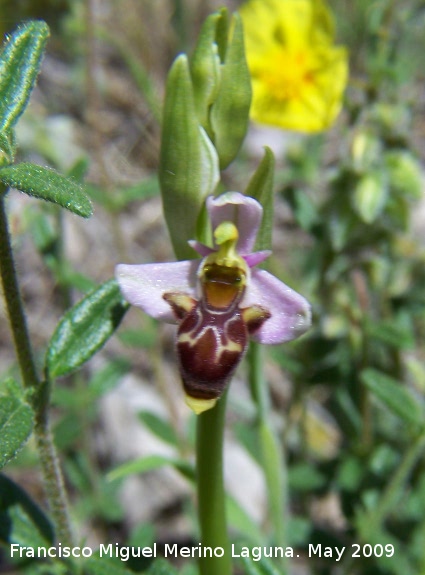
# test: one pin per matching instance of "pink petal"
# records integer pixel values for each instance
(291, 313)
(201, 249)
(257, 257)
(144, 285)
(243, 211)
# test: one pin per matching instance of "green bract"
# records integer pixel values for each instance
(230, 111)
(222, 84)
(188, 170)
(260, 187)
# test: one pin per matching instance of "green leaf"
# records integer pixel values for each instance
(240, 521)
(149, 463)
(16, 422)
(46, 184)
(397, 332)
(394, 396)
(159, 427)
(19, 515)
(19, 64)
(84, 329)
(260, 187)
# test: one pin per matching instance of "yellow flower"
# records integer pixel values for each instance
(298, 74)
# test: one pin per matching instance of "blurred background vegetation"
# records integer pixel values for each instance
(348, 398)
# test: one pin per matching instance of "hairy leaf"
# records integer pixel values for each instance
(84, 329)
(16, 421)
(46, 184)
(19, 64)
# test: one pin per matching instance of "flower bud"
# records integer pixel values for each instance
(188, 170)
(205, 67)
(230, 111)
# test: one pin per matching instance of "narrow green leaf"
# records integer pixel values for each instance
(46, 184)
(16, 422)
(394, 396)
(19, 65)
(150, 463)
(260, 187)
(84, 329)
(159, 427)
(19, 515)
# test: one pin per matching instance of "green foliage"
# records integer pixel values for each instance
(260, 187)
(21, 519)
(397, 399)
(150, 463)
(19, 65)
(16, 421)
(48, 185)
(84, 329)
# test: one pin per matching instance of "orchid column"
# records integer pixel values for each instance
(220, 301)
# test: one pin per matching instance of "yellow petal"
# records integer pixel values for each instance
(298, 74)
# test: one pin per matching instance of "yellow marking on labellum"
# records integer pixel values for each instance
(199, 405)
(181, 303)
(221, 348)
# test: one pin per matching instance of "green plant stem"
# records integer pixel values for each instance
(273, 461)
(395, 486)
(211, 493)
(52, 476)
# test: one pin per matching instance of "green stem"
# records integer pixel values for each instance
(53, 483)
(395, 486)
(211, 493)
(273, 461)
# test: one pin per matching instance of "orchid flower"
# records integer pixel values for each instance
(219, 301)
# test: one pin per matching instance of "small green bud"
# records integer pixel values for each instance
(370, 196)
(405, 174)
(188, 170)
(205, 68)
(230, 111)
